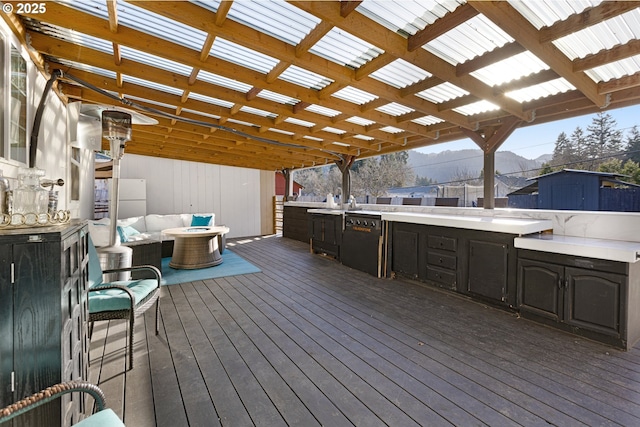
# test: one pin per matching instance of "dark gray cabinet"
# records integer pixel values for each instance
(594, 298)
(43, 302)
(575, 298)
(442, 258)
(407, 249)
(295, 223)
(325, 232)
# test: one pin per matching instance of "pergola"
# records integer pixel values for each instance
(277, 85)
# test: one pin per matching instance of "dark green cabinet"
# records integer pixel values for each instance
(44, 305)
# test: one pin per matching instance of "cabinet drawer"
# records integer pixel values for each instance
(442, 260)
(444, 277)
(442, 242)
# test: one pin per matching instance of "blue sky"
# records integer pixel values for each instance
(534, 141)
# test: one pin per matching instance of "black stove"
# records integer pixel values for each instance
(362, 243)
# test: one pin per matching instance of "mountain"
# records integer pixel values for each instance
(450, 166)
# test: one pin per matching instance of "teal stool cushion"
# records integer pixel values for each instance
(104, 418)
(115, 299)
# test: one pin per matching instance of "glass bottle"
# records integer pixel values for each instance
(30, 199)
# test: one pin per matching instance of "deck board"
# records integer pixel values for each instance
(308, 342)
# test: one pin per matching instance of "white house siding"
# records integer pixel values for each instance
(178, 186)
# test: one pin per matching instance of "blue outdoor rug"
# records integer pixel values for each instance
(232, 265)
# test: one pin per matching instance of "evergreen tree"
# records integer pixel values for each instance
(603, 138)
(580, 146)
(564, 152)
(633, 145)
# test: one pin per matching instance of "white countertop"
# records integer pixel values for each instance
(326, 211)
(613, 250)
(519, 226)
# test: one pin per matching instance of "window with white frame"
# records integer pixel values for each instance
(13, 105)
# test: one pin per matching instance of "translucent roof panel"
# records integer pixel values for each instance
(409, 16)
(216, 79)
(364, 137)
(391, 129)
(354, 95)
(241, 55)
(427, 120)
(276, 18)
(304, 78)
(324, 111)
(258, 112)
(93, 7)
(152, 85)
(334, 130)
(442, 93)
(299, 122)
(71, 36)
(541, 90)
(276, 97)
(510, 69)
(544, 13)
(604, 35)
(83, 67)
(400, 74)
(615, 70)
(466, 41)
(360, 121)
(201, 113)
(345, 49)
(395, 109)
(159, 26)
(210, 100)
(155, 61)
(476, 108)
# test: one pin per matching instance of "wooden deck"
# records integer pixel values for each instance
(310, 342)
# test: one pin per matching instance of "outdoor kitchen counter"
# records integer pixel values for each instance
(612, 250)
(519, 226)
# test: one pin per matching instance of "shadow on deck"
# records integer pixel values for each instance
(308, 342)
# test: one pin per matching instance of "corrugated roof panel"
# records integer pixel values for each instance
(243, 123)
(409, 16)
(151, 23)
(541, 90)
(219, 80)
(476, 108)
(299, 122)
(93, 7)
(391, 129)
(510, 69)
(360, 121)
(354, 95)
(276, 97)
(70, 36)
(258, 112)
(395, 109)
(201, 113)
(324, 111)
(400, 74)
(334, 130)
(544, 13)
(210, 100)
(237, 54)
(615, 70)
(364, 137)
(276, 18)
(345, 49)
(304, 78)
(466, 41)
(155, 61)
(427, 120)
(442, 93)
(604, 35)
(83, 67)
(152, 85)
(284, 132)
